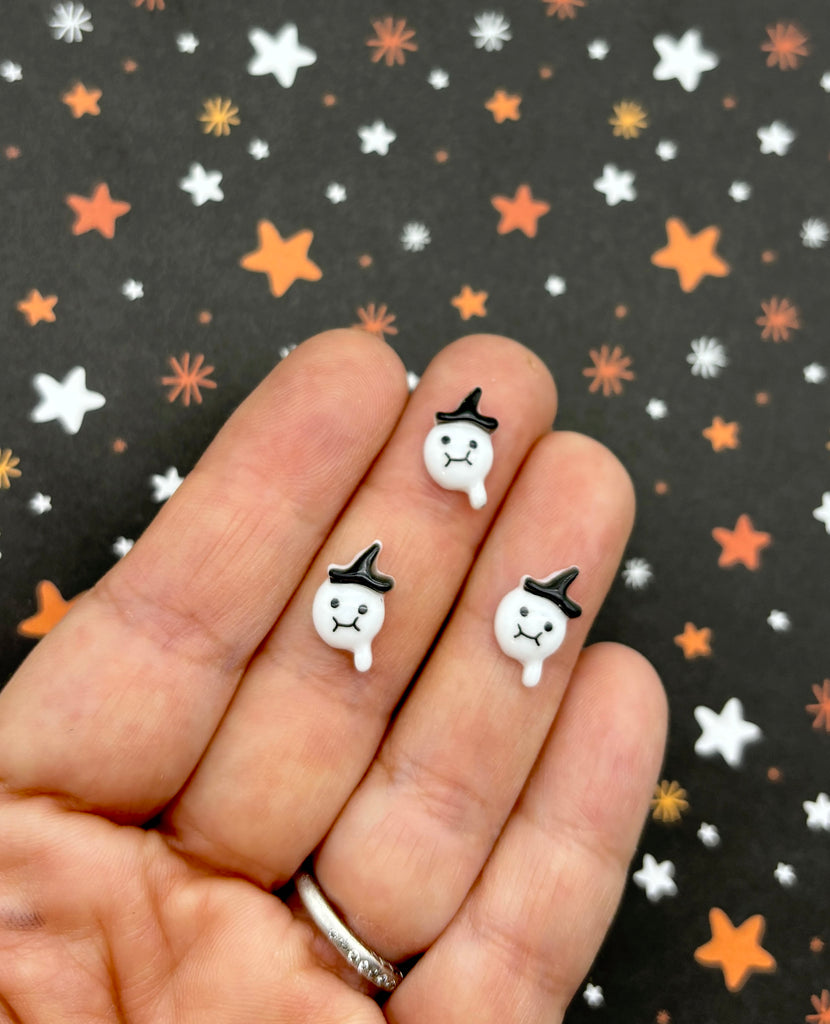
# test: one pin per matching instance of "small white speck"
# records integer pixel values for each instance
(824, 81)
(815, 373)
(132, 289)
(186, 42)
(259, 149)
(779, 621)
(336, 192)
(785, 873)
(121, 546)
(814, 233)
(666, 149)
(740, 191)
(637, 573)
(10, 71)
(438, 78)
(708, 835)
(657, 408)
(415, 236)
(593, 995)
(40, 503)
(555, 285)
(412, 380)
(598, 49)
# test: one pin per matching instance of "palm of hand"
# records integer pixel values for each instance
(168, 755)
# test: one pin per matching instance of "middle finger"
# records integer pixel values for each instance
(304, 724)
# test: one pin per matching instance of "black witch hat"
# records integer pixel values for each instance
(555, 589)
(363, 571)
(468, 411)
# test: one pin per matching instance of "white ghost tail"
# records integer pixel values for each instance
(532, 672)
(477, 495)
(363, 658)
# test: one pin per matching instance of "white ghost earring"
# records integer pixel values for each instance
(530, 620)
(348, 608)
(458, 451)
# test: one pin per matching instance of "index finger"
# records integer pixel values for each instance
(138, 674)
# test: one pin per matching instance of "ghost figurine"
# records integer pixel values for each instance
(348, 608)
(530, 620)
(458, 452)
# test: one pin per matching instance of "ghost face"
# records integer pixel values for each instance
(458, 456)
(348, 616)
(529, 628)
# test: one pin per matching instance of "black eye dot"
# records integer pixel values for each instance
(548, 627)
(523, 612)
(335, 602)
(445, 439)
(474, 444)
(363, 609)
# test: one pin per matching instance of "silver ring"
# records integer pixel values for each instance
(365, 961)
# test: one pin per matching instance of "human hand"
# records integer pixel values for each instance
(169, 755)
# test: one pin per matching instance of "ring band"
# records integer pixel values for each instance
(365, 961)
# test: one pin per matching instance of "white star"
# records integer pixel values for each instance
(10, 71)
(166, 485)
(822, 513)
(815, 373)
(814, 233)
(637, 573)
(40, 503)
(707, 358)
(656, 879)
(202, 185)
(555, 285)
(616, 185)
(259, 149)
(121, 546)
(785, 873)
(376, 138)
(598, 49)
(657, 408)
(666, 149)
(726, 733)
(683, 59)
(336, 192)
(824, 81)
(286, 350)
(708, 834)
(280, 55)
(67, 401)
(818, 812)
(779, 621)
(412, 380)
(186, 42)
(776, 138)
(593, 995)
(438, 78)
(132, 289)
(740, 191)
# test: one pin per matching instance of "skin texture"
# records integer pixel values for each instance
(184, 739)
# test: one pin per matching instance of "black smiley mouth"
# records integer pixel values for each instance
(345, 625)
(521, 632)
(464, 458)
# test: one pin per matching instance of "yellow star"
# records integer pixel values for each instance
(470, 303)
(284, 260)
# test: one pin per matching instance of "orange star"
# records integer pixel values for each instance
(504, 106)
(692, 256)
(522, 212)
(284, 260)
(36, 307)
(51, 608)
(98, 213)
(743, 544)
(737, 951)
(722, 435)
(470, 303)
(81, 100)
(694, 641)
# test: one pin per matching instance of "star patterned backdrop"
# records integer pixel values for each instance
(637, 191)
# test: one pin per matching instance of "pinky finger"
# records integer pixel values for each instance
(531, 926)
